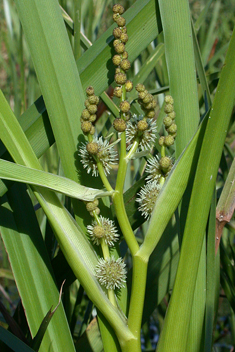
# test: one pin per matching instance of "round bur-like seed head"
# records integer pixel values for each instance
(120, 78)
(121, 21)
(165, 163)
(125, 106)
(167, 121)
(92, 118)
(117, 32)
(117, 60)
(90, 90)
(119, 125)
(98, 231)
(92, 109)
(124, 38)
(140, 87)
(148, 98)
(150, 114)
(125, 55)
(117, 92)
(142, 125)
(172, 129)
(117, 8)
(91, 206)
(93, 99)
(169, 100)
(169, 140)
(85, 114)
(125, 65)
(86, 126)
(129, 86)
(168, 108)
(119, 48)
(92, 148)
(161, 141)
(172, 115)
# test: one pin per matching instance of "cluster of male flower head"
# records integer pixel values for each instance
(97, 149)
(158, 169)
(89, 114)
(169, 123)
(120, 60)
(144, 127)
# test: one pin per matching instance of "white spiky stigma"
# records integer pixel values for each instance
(147, 198)
(146, 138)
(106, 155)
(105, 230)
(111, 273)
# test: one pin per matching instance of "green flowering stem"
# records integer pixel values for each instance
(163, 151)
(132, 151)
(103, 176)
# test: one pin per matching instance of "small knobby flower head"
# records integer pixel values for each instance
(106, 155)
(146, 138)
(147, 198)
(111, 273)
(105, 230)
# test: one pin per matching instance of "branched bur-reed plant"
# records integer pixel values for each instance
(90, 240)
(134, 135)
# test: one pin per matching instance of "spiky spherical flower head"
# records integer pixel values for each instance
(92, 148)
(165, 164)
(169, 140)
(124, 38)
(92, 109)
(106, 155)
(120, 78)
(167, 121)
(85, 114)
(129, 86)
(117, 32)
(90, 91)
(106, 230)
(125, 55)
(86, 126)
(91, 206)
(172, 115)
(125, 106)
(119, 125)
(146, 138)
(161, 141)
(111, 273)
(140, 87)
(120, 21)
(117, 8)
(168, 108)
(117, 60)
(142, 125)
(117, 92)
(119, 48)
(147, 198)
(93, 99)
(172, 129)
(169, 100)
